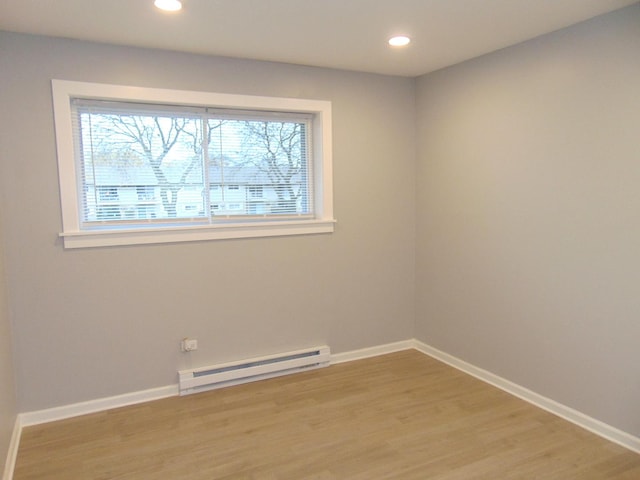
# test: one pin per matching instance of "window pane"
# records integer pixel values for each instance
(258, 167)
(140, 166)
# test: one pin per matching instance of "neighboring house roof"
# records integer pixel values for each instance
(143, 175)
(121, 175)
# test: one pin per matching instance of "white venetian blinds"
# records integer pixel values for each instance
(147, 164)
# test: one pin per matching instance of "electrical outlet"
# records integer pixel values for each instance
(189, 344)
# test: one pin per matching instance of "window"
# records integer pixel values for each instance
(255, 191)
(146, 193)
(107, 205)
(142, 165)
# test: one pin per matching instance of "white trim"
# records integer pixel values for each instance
(98, 405)
(101, 404)
(591, 424)
(12, 454)
(371, 351)
(63, 91)
(194, 233)
(580, 419)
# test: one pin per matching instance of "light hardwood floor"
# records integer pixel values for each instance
(397, 416)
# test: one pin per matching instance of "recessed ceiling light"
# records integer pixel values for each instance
(399, 41)
(168, 5)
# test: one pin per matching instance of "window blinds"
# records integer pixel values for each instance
(148, 164)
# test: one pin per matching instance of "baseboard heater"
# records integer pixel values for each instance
(234, 373)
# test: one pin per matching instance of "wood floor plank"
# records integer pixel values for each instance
(398, 416)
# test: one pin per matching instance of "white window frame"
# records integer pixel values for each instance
(74, 237)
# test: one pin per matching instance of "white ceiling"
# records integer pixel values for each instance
(346, 34)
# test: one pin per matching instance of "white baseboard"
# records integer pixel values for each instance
(578, 418)
(596, 426)
(98, 405)
(371, 351)
(12, 454)
(92, 406)
(101, 404)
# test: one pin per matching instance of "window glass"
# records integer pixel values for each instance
(170, 166)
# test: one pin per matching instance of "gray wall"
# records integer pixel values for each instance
(8, 407)
(528, 232)
(92, 323)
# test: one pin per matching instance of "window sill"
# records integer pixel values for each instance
(102, 238)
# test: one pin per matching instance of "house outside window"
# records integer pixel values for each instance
(108, 207)
(146, 193)
(197, 165)
(147, 204)
(256, 191)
